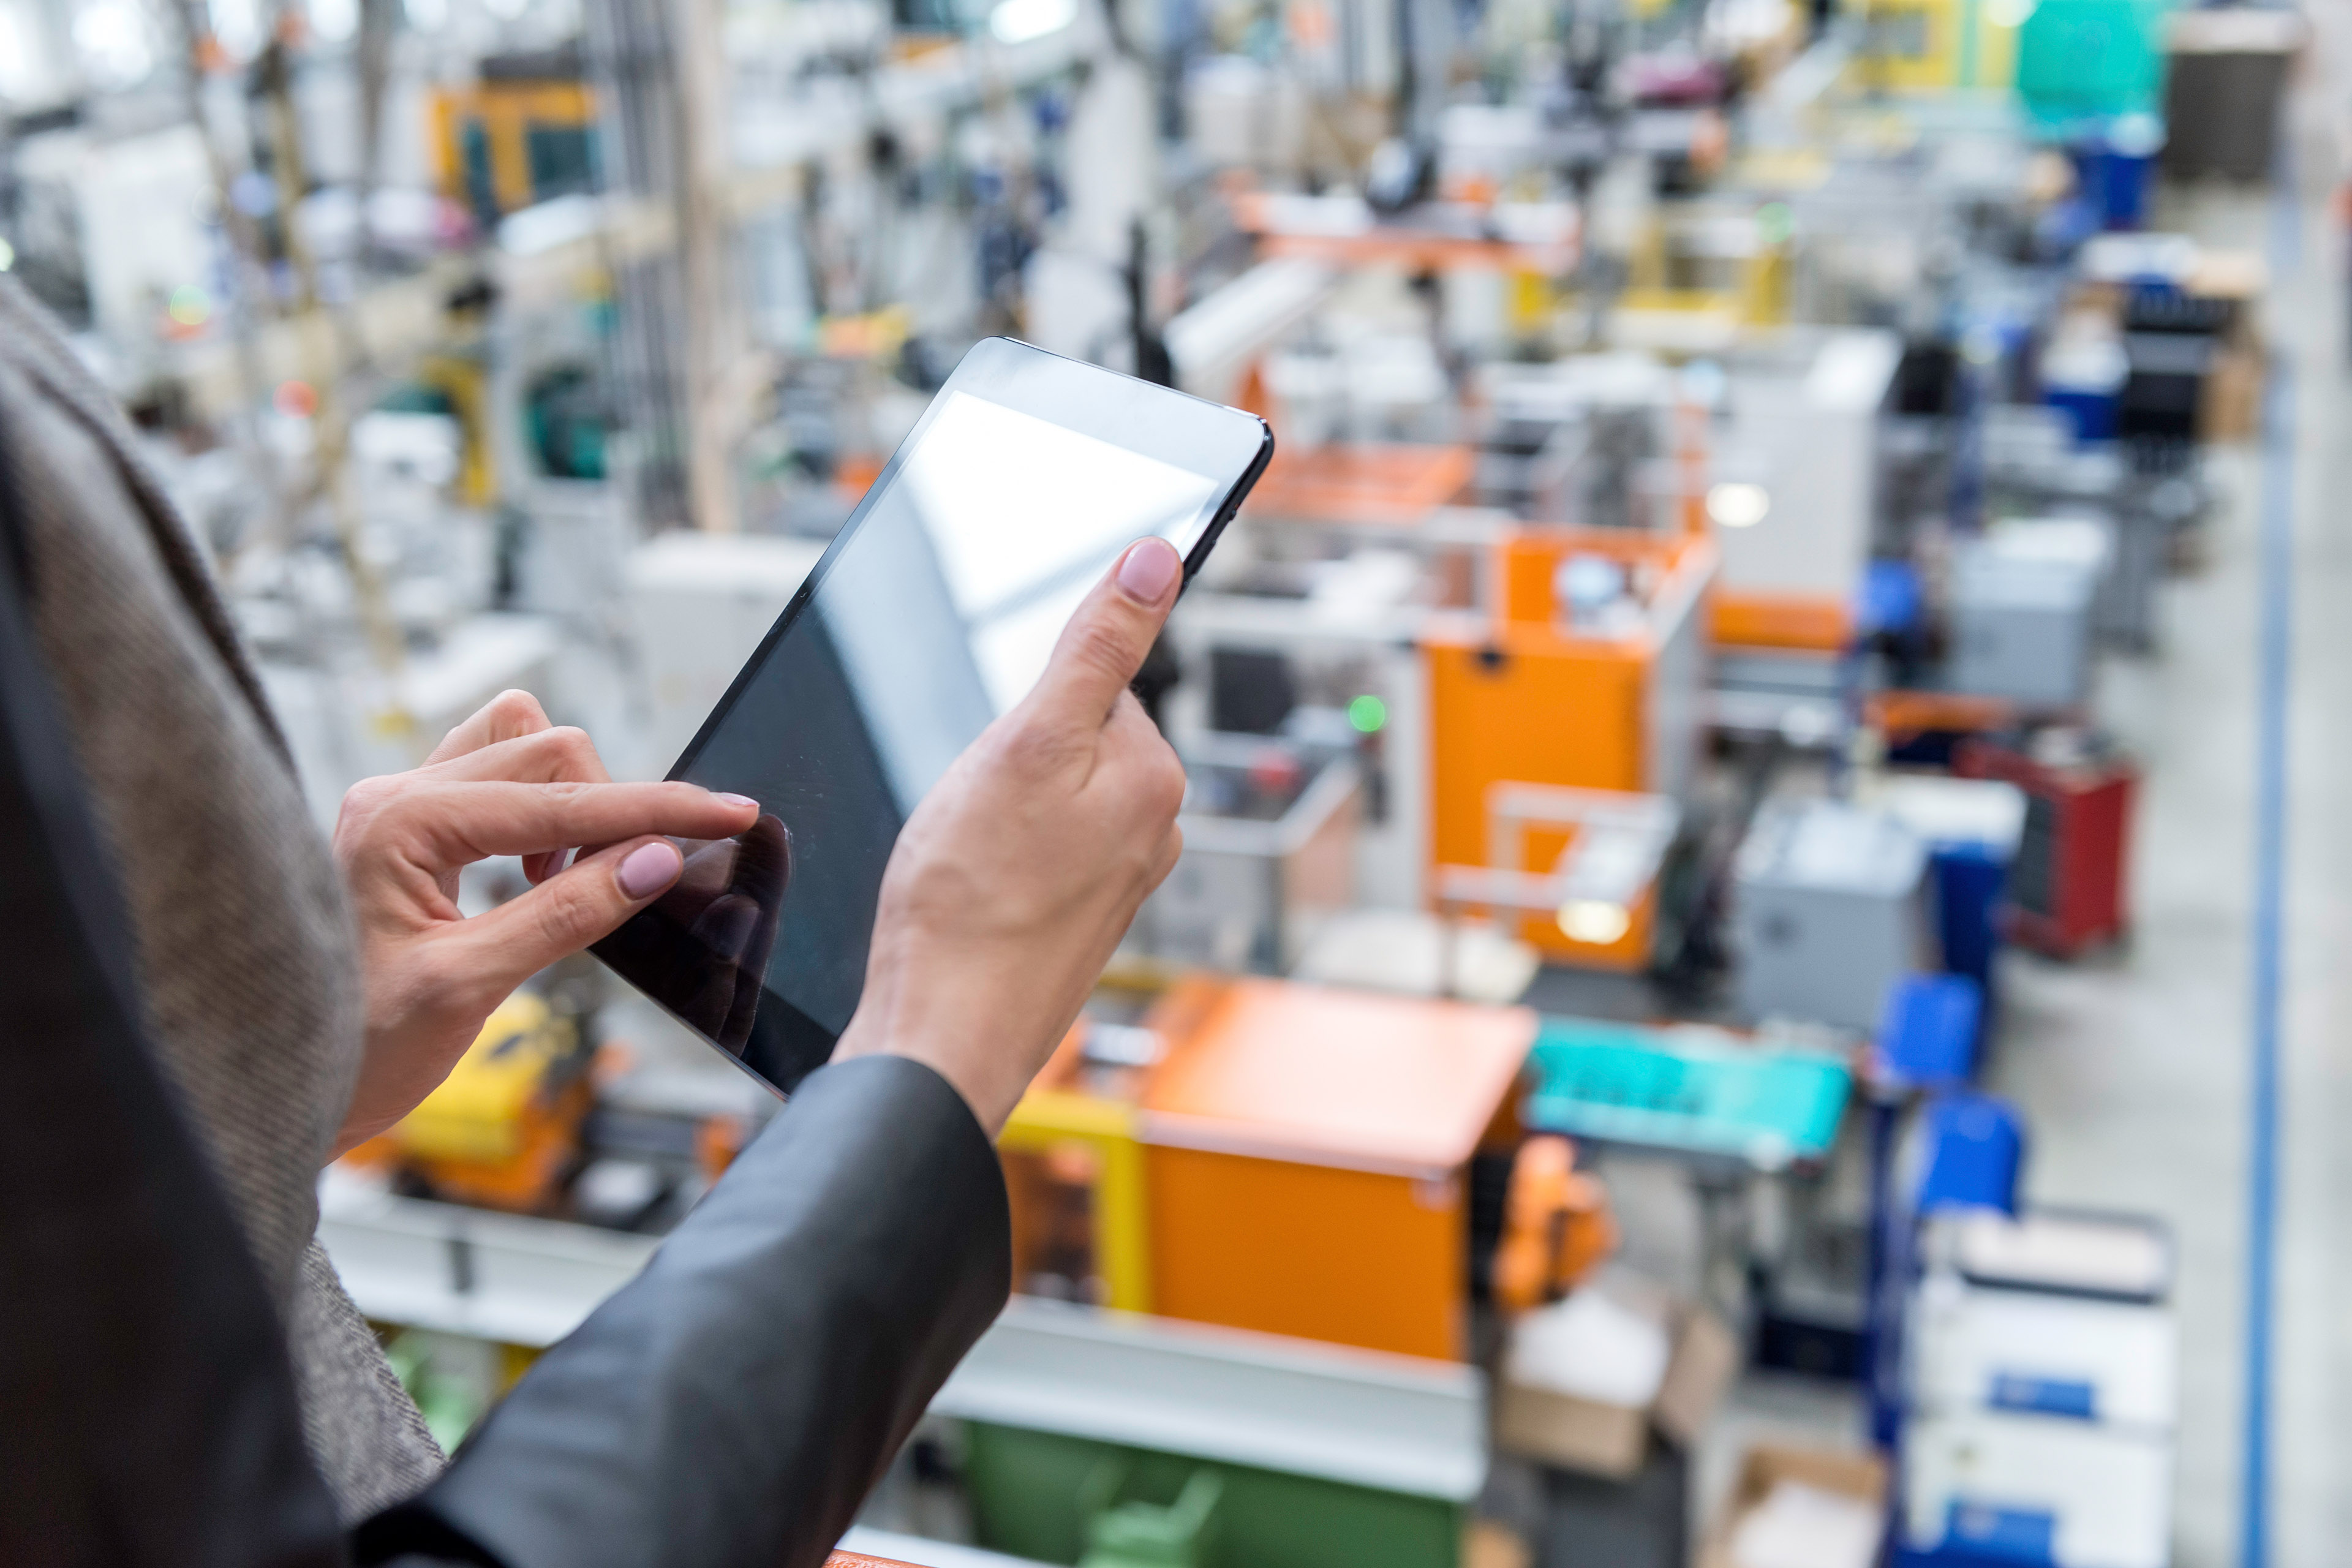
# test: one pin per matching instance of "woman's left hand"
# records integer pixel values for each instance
(505, 782)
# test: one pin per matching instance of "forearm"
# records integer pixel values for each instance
(734, 1404)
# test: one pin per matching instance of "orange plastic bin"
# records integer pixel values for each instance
(1306, 1152)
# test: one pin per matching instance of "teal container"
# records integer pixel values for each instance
(2083, 62)
(1055, 1498)
(1683, 1093)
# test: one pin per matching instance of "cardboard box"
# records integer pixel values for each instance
(2232, 409)
(1600, 1437)
(1765, 1465)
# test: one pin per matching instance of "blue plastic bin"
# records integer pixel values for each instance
(1927, 1037)
(1975, 1148)
(1969, 883)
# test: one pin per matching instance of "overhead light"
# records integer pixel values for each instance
(116, 43)
(1736, 505)
(1018, 21)
(1594, 921)
(7, 255)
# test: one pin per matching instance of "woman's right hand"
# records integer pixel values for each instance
(1016, 879)
(503, 782)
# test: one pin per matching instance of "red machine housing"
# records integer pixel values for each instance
(2068, 888)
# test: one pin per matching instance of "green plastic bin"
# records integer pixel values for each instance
(1039, 1495)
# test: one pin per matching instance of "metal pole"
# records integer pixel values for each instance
(713, 348)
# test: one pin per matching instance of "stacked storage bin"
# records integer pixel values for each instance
(2043, 1395)
(1972, 828)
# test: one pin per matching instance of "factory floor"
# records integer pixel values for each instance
(2135, 1074)
(2131, 1067)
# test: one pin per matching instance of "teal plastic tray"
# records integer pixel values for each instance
(1682, 1093)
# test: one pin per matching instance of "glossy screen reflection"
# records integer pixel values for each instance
(933, 614)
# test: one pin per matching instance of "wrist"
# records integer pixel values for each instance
(962, 1061)
(989, 1103)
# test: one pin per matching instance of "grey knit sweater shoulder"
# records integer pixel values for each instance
(243, 952)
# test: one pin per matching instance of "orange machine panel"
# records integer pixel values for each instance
(1532, 707)
(1807, 621)
(1625, 953)
(1305, 1150)
(1409, 248)
(1526, 563)
(1350, 1257)
(1543, 709)
(1362, 482)
(1905, 715)
(1353, 1078)
(1527, 697)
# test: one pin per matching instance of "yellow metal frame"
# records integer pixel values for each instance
(462, 375)
(1758, 296)
(1961, 46)
(506, 112)
(1047, 1117)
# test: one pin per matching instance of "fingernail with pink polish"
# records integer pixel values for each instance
(649, 868)
(1150, 569)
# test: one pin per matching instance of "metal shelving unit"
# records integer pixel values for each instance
(1359, 1417)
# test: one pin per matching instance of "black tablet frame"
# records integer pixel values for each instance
(1227, 445)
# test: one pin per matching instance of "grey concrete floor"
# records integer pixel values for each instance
(2134, 1071)
(2133, 1067)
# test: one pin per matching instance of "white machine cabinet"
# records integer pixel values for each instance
(2032, 1352)
(1807, 433)
(700, 604)
(2037, 1489)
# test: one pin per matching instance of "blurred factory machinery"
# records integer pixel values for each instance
(1721, 443)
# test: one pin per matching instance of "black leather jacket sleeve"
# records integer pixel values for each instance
(733, 1404)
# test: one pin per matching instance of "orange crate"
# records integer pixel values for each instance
(1305, 1149)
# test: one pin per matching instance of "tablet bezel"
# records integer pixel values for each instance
(1186, 432)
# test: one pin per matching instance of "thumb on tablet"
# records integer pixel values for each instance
(1104, 642)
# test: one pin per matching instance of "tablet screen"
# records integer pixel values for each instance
(934, 612)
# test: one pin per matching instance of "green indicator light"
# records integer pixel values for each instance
(1368, 714)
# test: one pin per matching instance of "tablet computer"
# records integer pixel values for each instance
(933, 611)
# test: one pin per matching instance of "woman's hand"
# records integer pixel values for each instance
(504, 783)
(702, 949)
(1017, 876)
